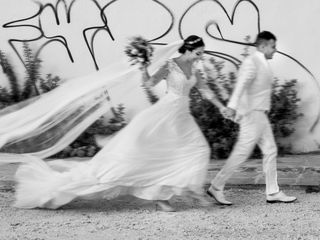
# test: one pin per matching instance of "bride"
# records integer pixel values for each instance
(160, 153)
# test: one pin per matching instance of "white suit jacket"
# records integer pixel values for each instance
(253, 87)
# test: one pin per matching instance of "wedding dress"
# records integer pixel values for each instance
(160, 153)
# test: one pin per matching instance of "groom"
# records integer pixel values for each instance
(249, 105)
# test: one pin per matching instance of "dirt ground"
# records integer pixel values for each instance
(130, 218)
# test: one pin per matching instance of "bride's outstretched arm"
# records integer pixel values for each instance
(153, 80)
(207, 93)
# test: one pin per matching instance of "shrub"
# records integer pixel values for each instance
(85, 145)
(13, 95)
(220, 133)
(33, 85)
(49, 83)
(284, 114)
(33, 66)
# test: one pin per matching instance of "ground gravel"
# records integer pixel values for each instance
(130, 218)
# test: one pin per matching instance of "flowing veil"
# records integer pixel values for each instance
(44, 125)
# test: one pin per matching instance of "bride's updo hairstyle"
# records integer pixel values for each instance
(190, 43)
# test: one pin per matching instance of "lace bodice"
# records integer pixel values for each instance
(177, 81)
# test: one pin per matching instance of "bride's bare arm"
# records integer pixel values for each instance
(153, 80)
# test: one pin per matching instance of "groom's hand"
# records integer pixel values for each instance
(228, 113)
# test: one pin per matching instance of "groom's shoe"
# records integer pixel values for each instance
(280, 197)
(218, 196)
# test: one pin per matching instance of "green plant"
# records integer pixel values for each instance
(115, 123)
(49, 82)
(8, 97)
(33, 85)
(85, 145)
(246, 48)
(220, 133)
(33, 65)
(284, 114)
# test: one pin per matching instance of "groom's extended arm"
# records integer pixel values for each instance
(247, 74)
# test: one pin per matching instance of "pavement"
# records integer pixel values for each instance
(126, 217)
(293, 170)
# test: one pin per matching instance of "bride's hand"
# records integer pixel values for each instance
(144, 67)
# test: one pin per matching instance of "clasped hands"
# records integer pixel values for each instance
(228, 113)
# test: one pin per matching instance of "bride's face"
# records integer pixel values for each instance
(196, 54)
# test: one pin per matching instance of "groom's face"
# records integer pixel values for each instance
(269, 48)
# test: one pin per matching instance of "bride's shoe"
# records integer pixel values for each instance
(200, 199)
(164, 206)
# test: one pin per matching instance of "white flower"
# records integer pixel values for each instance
(134, 51)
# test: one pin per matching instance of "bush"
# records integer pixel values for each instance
(85, 145)
(33, 85)
(220, 133)
(284, 114)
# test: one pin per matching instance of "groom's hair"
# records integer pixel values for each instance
(263, 37)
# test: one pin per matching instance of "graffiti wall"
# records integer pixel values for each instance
(77, 37)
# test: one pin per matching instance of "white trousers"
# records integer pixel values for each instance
(255, 129)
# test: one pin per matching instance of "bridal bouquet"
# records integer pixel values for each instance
(139, 51)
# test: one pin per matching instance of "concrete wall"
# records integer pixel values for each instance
(76, 37)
